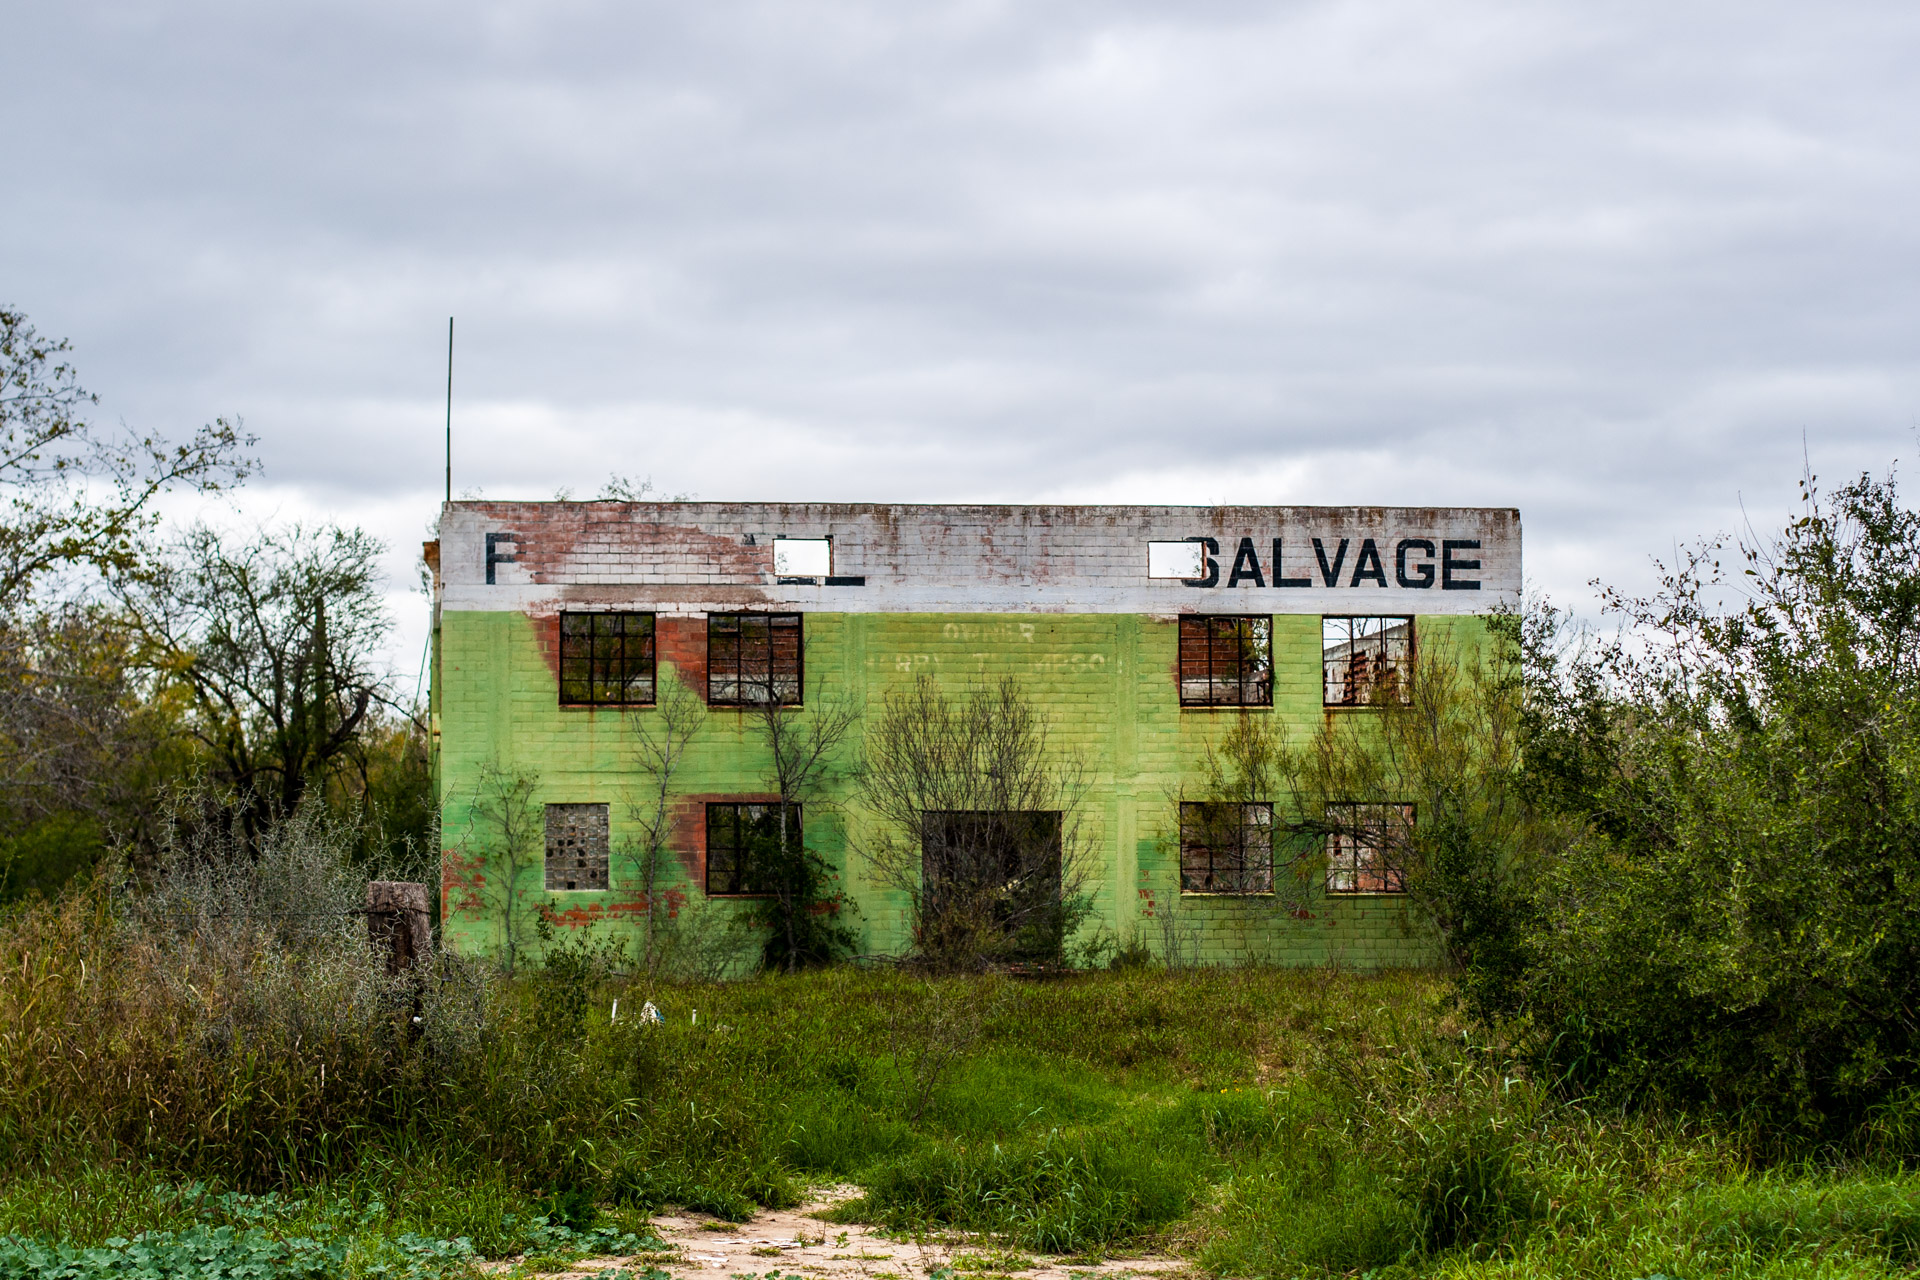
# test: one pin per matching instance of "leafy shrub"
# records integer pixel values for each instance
(163, 1255)
(1734, 929)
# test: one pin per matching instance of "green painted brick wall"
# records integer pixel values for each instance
(1105, 681)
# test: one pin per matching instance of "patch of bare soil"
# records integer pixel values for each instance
(792, 1242)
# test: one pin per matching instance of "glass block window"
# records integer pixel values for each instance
(576, 846)
(741, 838)
(1226, 847)
(1366, 660)
(1366, 848)
(1226, 661)
(606, 659)
(753, 659)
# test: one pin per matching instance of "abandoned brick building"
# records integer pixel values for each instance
(1139, 632)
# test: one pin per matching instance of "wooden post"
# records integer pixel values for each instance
(397, 922)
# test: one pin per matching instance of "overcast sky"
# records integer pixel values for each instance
(1611, 264)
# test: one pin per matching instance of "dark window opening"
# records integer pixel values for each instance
(606, 659)
(990, 884)
(753, 659)
(1366, 848)
(1226, 661)
(576, 846)
(1226, 847)
(1366, 660)
(744, 842)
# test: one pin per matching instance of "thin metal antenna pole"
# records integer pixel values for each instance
(449, 408)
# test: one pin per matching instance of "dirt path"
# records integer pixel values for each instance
(792, 1242)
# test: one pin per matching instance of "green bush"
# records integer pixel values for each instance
(1732, 927)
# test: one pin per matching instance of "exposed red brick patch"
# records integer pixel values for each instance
(629, 904)
(683, 642)
(462, 883)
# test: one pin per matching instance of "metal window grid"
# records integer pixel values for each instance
(1226, 661)
(754, 659)
(606, 659)
(1364, 849)
(1226, 847)
(1366, 659)
(737, 832)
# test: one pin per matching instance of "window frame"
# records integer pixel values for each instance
(1402, 684)
(1252, 884)
(1189, 622)
(740, 681)
(591, 657)
(548, 862)
(742, 873)
(1392, 876)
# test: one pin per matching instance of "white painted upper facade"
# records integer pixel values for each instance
(687, 557)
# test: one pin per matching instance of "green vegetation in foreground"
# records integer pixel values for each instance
(1261, 1122)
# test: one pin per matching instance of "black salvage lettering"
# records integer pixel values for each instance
(1246, 564)
(1213, 566)
(494, 557)
(1423, 573)
(1448, 565)
(1279, 581)
(1369, 555)
(1330, 575)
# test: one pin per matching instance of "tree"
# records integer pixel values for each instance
(78, 738)
(1734, 925)
(981, 825)
(272, 639)
(75, 496)
(80, 747)
(659, 737)
(1225, 841)
(802, 908)
(1428, 791)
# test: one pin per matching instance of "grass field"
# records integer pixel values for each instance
(1257, 1122)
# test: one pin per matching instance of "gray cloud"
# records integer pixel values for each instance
(1608, 264)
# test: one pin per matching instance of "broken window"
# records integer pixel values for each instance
(744, 842)
(1185, 560)
(606, 659)
(1226, 847)
(576, 846)
(753, 659)
(992, 879)
(809, 558)
(1366, 848)
(1226, 661)
(1366, 660)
